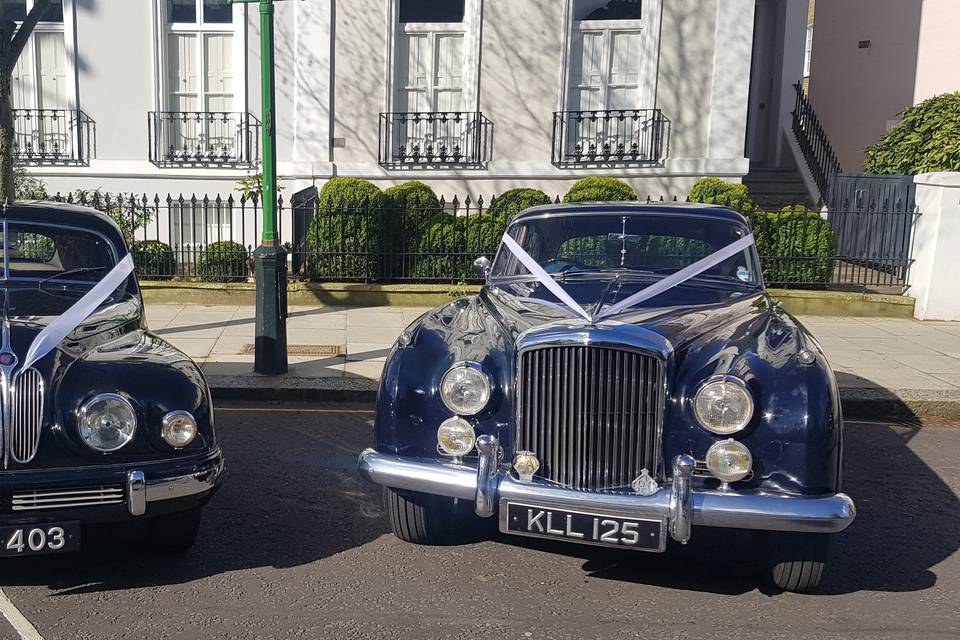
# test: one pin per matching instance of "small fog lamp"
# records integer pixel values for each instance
(526, 464)
(179, 428)
(455, 437)
(729, 461)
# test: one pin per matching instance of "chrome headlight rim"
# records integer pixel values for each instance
(468, 428)
(484, 377)
(740, 449)
(729, 379)
(87, 406)
(168, 421)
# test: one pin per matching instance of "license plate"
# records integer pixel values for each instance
(585, 528)
(37, 539)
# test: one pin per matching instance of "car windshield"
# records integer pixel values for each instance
(635, 244)
(45, 252)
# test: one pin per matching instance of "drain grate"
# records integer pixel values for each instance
(302, 349)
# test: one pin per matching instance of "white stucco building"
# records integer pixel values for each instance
(471, 96)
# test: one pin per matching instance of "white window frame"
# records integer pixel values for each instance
(470, 28)
(649, 25)
(68, 29)
(163, 29)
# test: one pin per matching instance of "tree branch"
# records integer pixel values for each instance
(26, 28)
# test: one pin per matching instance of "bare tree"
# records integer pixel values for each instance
(12, 42)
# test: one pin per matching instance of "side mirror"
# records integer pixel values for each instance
(481, 266)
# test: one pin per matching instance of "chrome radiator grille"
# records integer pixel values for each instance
(26, 415)
(66, 498)
(591, 414)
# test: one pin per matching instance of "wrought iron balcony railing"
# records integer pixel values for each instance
(434, 139)
(52, 136)
(203, 139)
(612, 137)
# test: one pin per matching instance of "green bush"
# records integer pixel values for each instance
(153, 260)
(722, 193)
(223, 261)
(412, 208)
(450, 244)
(510, 203)
(796, 245)
(600, 189)
(926, 140)
(346, 235)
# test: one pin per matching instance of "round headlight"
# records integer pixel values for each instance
(179, 428)
(723, 405)
(456, 437)
(729, 461)
(107, 422)
(465, 389)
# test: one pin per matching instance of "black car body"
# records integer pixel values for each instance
(588, 430)
(108, 370)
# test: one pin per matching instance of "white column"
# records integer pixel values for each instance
(730, 94)
(933, 276)
(795, 14)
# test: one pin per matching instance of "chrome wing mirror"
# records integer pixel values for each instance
(481, 267)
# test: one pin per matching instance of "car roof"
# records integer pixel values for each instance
(63, 213)
(633, 208)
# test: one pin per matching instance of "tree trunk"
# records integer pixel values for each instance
(7, 169)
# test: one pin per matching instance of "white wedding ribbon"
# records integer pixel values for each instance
(655, 289)
(51, 336)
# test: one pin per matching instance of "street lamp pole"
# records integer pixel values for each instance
(270, 257)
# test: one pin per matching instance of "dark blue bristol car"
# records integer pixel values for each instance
(102, 422)
(623, 379)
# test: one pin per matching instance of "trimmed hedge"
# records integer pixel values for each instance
(510, 203)
(223, 261)
(153, 260)
(347, 232)
(600, 189)
(722, 193)
(796, 246)
(926, 140)
(463, 239)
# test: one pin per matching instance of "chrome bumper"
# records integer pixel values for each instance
(676, 503)
(141, 490)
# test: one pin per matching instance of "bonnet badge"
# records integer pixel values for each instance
(644, 485)
(7, 359)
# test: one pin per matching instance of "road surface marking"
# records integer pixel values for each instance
(20, 624)
(291, 410)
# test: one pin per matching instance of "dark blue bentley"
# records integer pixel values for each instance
(622, 379)
(101, 420)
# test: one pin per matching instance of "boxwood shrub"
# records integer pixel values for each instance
(722, 193)
(346, 236)
(223, 261)
(153, 260)
(796, 246)
(510, 203)
(926, 140)
(450, 244)
(600, 189)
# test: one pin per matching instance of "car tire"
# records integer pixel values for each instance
(796, 561)
(420, 518)
(174, 533)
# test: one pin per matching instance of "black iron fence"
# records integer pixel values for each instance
(212, 239)
(616, 137)
(193, 138)
(424, 139)
(814, 143)
(52, 137)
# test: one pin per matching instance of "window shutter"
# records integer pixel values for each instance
(52, 63)
(448, 67)
(413, 72)
(182, 68)
(626, 52)
(218, 65)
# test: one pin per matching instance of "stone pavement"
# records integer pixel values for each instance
(344, 348)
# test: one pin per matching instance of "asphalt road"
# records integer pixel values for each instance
(297, 546)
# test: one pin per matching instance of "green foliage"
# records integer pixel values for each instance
(153, 260)
(27, 187)
(347, 232)
(926, 140)
(722, 193)
(510, 203)
(223, 261)
(412, 206)
(252, 185)
(600, 189)
(450, 244)
(129, 211)
(796, 245)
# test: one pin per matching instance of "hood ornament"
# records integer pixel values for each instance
(644, 485)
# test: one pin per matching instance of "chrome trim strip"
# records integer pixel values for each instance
(136, 493)
(66, 498)
(184, 486)
(738, 510)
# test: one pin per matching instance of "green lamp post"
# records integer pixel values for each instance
(270, 257)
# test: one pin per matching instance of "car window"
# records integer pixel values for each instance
(42, 251)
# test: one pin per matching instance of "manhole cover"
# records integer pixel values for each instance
(302, 349)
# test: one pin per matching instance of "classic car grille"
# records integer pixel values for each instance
(591, 414)
(66, 498)
(26, 415)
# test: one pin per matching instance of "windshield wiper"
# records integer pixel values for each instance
(613, 272)
(70, 272)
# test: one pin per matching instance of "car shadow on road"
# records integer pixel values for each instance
(291, 497)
